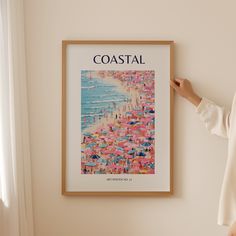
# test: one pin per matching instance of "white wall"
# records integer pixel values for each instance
(205, 36)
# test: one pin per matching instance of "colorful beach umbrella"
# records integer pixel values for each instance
(118, 152)
(114, 166)
(92, 164)
(88, 152)
(132, 122)
(95, 156)
(128, 156)
(103, 145)
(152, 165)
(101, 160)
(141, 154)
(146, 144)
(91, 144)
(120, 157)
(131, 152)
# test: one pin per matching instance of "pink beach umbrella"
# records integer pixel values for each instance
(106, 152)
(112, 166)
(136, 169)
(118, 152)
(127, 149)
(144, 160)
(121, 144)
(127, 156)
(88, 152)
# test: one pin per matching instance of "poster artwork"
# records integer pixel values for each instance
(117, 122)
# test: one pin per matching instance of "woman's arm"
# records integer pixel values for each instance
(184, 88)
(216, 118)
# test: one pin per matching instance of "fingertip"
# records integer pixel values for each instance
(179, 79)
(173, 85)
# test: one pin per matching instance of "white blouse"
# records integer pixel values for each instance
(222, 122)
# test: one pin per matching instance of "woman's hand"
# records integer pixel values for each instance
(232, 229)
(184, 88)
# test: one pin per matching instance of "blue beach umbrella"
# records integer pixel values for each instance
(103, 145)
(152, 165)
(90, 164)
(132, 123)
(87, 134)
(131, 152)
(119, 157)
(101, 160)
(146, 144)
(141, 154)
(91, 144)
(95, 156)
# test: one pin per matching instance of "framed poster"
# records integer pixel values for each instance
(117, 117)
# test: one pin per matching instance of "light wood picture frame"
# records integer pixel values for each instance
(117, 117)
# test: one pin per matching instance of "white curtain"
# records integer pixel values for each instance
(16, 218)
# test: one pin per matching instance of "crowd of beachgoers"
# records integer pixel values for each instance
(123, 141)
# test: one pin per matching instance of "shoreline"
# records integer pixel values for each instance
(121, 110)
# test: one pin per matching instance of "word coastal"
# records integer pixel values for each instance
(120, 59)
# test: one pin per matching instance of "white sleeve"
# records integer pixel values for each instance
(216, 118)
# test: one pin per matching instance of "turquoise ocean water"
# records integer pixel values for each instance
(98, 98)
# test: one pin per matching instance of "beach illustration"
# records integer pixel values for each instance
(118, 122)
